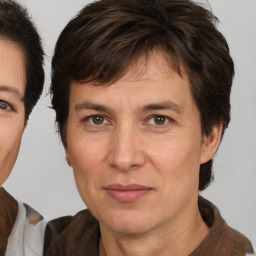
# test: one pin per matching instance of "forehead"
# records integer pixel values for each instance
(147, 67)
(149, 80)
(12, 66)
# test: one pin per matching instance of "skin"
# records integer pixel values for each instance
(144, 129)
(12, 112)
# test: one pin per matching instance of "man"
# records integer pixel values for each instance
(21, 84)
(141, 91)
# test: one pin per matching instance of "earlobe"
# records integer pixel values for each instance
(68, 157)
(211, 143)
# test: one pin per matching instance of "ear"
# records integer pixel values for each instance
(25, 125)
(210, 143)
(68, 160)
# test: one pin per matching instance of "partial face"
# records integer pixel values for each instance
(136, 148)
(12, 88)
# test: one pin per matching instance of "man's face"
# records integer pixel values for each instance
(136, 148)
(12, 87)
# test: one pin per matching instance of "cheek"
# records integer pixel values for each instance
(85, 154)
(10, 138)
(177, 153)
(9, 147)
(86, 157)
(177, 162)
(86, 160)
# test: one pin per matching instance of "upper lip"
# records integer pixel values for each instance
(127, 187)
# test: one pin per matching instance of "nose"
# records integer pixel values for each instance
(126, 149)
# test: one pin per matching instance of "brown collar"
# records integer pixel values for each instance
(80, 235)
(222, 239)
(8, 213)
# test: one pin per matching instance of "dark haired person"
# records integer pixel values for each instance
(21, 84)
(141, 91)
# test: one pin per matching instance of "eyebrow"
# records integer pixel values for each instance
(5, 88)
(169, 105)
(89, 105)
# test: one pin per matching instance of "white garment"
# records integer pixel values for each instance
(251, 253)
(27, 236)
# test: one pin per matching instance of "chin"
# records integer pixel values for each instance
(129, 229)
(127, 223)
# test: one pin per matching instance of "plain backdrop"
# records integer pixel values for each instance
(42, 178)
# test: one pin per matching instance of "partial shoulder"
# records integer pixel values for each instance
(63, 233)
(222, 239)
(27, 233)
(59, 225)
(239, 243)
(8, 214)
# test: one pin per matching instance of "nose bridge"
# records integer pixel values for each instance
(126, 151)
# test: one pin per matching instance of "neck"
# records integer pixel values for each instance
(167, 240)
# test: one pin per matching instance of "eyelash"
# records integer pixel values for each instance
(5, 106)
(167, 120)
(94, 116)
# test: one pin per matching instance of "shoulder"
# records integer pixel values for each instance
(27, 233)
(239, 243)
(21, 228)
(65, 234)
(58, 226)
(8, 213)
(222, 239)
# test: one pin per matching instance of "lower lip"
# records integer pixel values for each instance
(127, 195)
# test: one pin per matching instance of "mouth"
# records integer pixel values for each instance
(127, 193)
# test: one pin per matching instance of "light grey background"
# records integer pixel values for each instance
(42, 178)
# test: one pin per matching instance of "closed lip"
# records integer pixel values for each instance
(127, 193)
(127, 187)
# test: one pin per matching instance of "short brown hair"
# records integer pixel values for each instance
(16, 25)
(108, 36)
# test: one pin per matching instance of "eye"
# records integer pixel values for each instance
(5, 106)
(96, 120)
(159, 120)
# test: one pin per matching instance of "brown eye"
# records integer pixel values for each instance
(98, 120)
(160, 120)
(5, 106)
